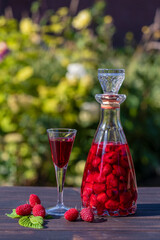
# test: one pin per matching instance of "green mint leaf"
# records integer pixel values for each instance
(36, 220)
(13, 214)
(37, 226)
(26, 222)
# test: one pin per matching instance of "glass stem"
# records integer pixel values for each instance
(60, 177)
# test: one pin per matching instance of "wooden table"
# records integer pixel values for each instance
(144, 225)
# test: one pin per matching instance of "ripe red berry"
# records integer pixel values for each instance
(112, 181)
(102, 198)
(87, 215)
(24, 210)
(112, 205)
(99, 187)
(93, 201)
(119, 171)
(39, 210)
(96, 162)
(34, 199)
(107, 169)
(71, 214)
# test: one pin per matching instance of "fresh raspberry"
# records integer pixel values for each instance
(93, 201)
(119, 171)
(88, 189)
(93, 149)
(87, 215)
(110, 147)
(123, 178)
(126, 200)
(24, 210)
(112, 181)
(71, 214)
(39, 210)
(124, 162)
(102, 198)
(85, 201)
(90, 178)
(34, 199)
(112, 205)
(112, 193)
(96, 162)
(99, 178)
(110, 157)
(107, 169)
(125, 197)
(99, 187)
(122, 186)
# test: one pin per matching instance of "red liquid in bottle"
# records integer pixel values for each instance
(61, 150)
(109, 183)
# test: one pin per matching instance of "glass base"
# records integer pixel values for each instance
(58, 210)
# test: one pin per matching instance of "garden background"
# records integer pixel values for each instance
(48, 78)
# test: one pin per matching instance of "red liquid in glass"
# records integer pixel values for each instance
(61, 150)
(109, 183)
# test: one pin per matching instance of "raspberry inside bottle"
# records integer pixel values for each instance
(109, 182)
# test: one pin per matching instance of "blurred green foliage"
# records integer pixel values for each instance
(48, 78)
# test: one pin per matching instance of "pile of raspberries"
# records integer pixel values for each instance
(34, 206)
(37, 209)
(109, 179)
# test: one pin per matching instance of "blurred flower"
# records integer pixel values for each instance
(23, 74)
(35, 38)
(63, 11)
(2, 21)
(55, 18)
(64, 62)
(3, 50)
(129, 36)
(82, 20)
(89, 113)
(87, 81)
(13, 137)
(75, 71)
(79, 167)
(57, 28)
(108, 19)
(27, 26)
(145, 29)
(157, 34)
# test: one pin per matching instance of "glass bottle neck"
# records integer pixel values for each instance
(110, 117)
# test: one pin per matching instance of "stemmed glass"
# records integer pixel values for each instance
(61, 142)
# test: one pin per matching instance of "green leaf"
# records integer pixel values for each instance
(26, 222)
(36, 220)
(13, 214)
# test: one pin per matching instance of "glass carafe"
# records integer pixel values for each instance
(109, 181)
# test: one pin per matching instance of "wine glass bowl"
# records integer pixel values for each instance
(61, 142)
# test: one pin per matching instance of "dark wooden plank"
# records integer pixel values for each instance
(125, 223)
(145, 224)
(79, 235)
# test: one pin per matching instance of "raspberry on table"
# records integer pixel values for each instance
(24, 210)
(71, 214)
(34, 199)
(39, 210)
(87, 215)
